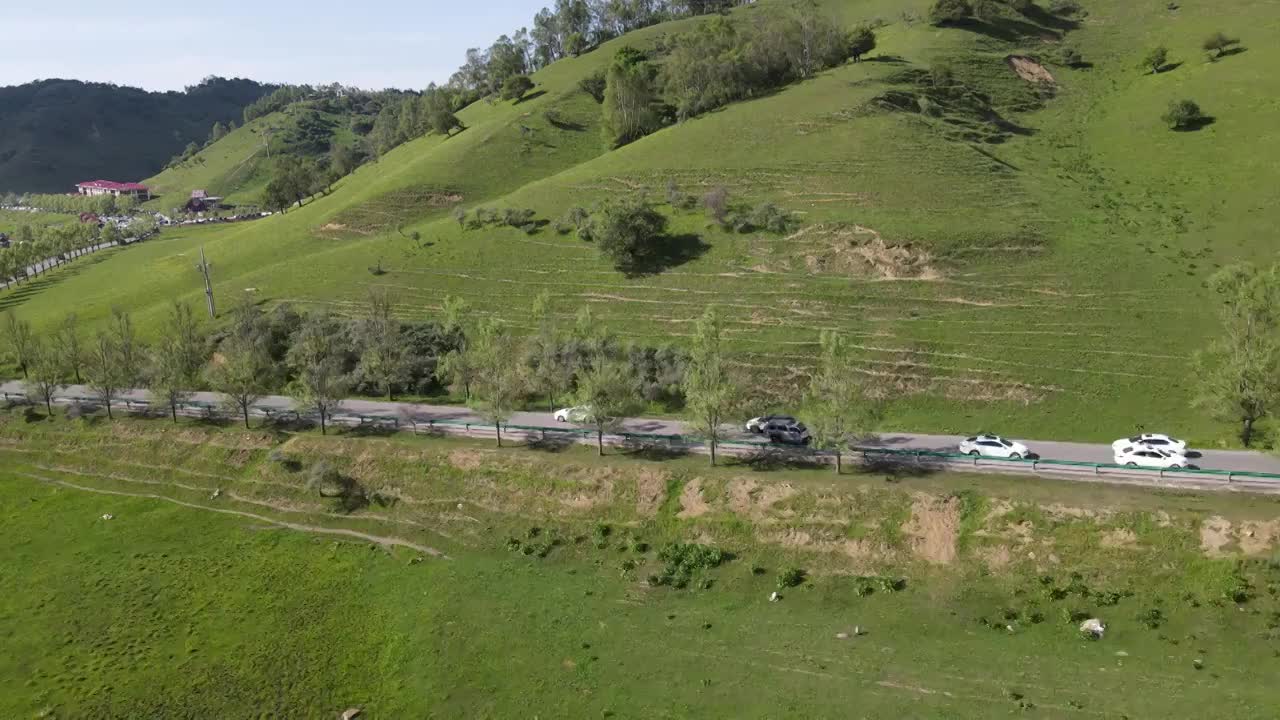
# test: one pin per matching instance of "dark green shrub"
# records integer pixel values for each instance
(1153, 618)
(792, 577)
(947, 12)
(1182, 114)
(1064, 7)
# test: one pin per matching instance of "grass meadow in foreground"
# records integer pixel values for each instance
(925, 596)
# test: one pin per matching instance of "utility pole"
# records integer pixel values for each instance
(204, 267)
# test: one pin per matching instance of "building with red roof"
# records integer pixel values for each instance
(109, 187)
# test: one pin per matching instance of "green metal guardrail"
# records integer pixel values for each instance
(1229, 475)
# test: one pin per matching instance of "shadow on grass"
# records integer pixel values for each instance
(530, 96)
(1045, 19)
(1008, 29)
(656, 452)
(897, 467)
(371, 430)
(553, 443)
(1197, 124)
(1169, 67)
(561, 124)
(1228, 53)
(21, 292)
(769, 458)
(890, 59)
(664, 253)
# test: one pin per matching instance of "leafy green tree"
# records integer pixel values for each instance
(712, 393)
(382, 358)
(46, 375)
(19, 341)
(316, 356)
(627, 232)
(1239, 373)
(218, 132)
(630, 98)
(103, 369)
(66, 343)
(834, 404)
(129, 352)
(1155, 58)
(551, 369)
(500, 380)
(1218, 43)
(949, 12)
(456, 368)
(1182, 114)
(609, 389)
(861, 41)
(241, 374)
(516, 87)
(176, 359)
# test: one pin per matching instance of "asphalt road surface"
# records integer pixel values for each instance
(1234, 460)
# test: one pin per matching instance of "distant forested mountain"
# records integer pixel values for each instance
(55, 133)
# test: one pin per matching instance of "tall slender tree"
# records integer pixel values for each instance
(67, 344)
(19, 340)
(241, 375)
(711, 392)
(383, 359)
(46, 375)
(177, 359)
(835, 404)
(103, 369)
(320, 382)
(551, 368)
(610, 393)
(501, 380)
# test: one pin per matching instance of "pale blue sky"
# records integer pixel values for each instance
(164, 46)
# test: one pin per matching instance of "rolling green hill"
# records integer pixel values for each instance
(237, 167)
(1008, 254)
(55, 133)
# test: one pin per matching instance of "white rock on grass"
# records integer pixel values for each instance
(107, 516)
(1093, 627)
(774, 597)
(351, 713)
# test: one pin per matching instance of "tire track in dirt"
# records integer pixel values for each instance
(344, 532)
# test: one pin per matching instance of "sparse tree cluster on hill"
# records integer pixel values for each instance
(720, 61)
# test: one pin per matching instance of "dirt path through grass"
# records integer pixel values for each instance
(379, 539)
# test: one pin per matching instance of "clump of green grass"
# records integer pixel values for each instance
(791, 577)
(683, 561)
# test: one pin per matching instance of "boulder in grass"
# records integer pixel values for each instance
(1093, 628)
(351, 713)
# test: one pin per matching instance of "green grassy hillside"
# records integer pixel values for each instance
(237, 167)
(1029, 259)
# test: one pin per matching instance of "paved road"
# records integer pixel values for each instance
(1234, 460)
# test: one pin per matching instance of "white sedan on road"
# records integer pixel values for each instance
(577, 414)
(1152, 440)
(993, 446)
(1144, 456)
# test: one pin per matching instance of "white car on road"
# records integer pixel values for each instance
(757, 424)
(993, 446)
(1152, 440)
(577, 414)
(1144, 456)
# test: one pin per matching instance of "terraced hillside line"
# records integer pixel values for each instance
(378, 539)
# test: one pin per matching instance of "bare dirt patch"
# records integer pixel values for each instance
(467, 459)
(933, 528)
(1258, 537)
(850, 250)
(996, 557)
(1030, 70)
(1119, 538)
(1215, 535)
(651, 490)
(751, 499)
(692, 503)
